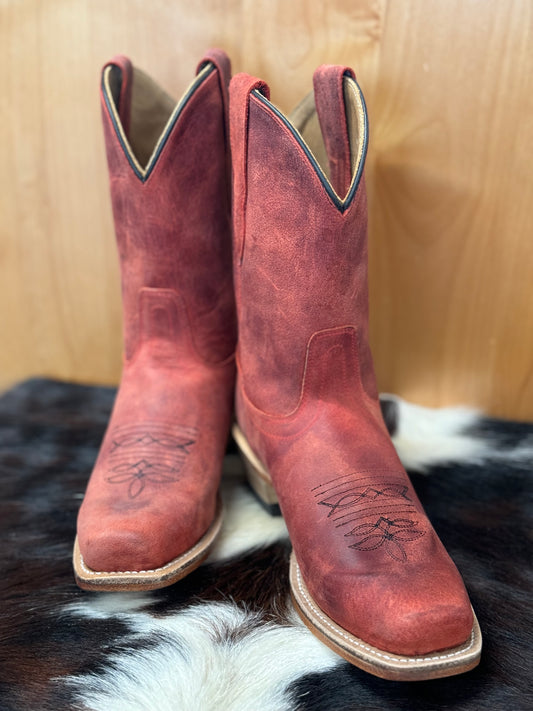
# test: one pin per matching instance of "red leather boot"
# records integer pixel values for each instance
(151, 509)
(369, 575)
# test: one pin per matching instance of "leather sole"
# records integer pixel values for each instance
(382, 663)
(176, 569)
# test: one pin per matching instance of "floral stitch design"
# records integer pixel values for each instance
(153, 453)
(386, 532)
(141, 472)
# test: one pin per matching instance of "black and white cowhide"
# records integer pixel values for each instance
(226, 638)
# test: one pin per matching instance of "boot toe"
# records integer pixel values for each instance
(135, 546)
(122, 550)
(396, 616)
(424, 630)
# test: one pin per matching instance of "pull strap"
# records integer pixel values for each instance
(223, 65)
(121, 84)
(331, 110)
(241, 87)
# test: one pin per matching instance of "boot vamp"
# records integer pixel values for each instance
(366, 549)
(153, 490)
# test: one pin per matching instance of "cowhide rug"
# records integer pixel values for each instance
(226, 638)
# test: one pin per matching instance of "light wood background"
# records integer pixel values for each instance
(450, 97)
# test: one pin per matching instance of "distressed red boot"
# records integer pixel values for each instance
(151, 510)
(369, 575)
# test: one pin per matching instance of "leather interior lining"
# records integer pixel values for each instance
(355, 116)
(151, 108)
(152, 114)
(114, 81)
(305, 119)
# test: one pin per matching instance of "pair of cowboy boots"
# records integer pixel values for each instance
(368, 574)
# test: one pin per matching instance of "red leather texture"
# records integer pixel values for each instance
(153, 490)
(329, 100)
(306, 396)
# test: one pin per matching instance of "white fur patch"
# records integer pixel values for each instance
(209, 657)
(246, 523)
(101, 606)
(426, 437)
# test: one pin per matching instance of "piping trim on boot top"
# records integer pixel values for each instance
(340, 204)
(144, 173)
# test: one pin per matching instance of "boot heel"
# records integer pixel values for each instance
(258, 477)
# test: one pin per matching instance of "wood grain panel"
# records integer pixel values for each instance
(448, 87)
(450, 187)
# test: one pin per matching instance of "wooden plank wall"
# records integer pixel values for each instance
(449, 91)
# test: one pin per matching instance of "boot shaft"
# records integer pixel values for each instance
(300, 237)
(168, 168)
